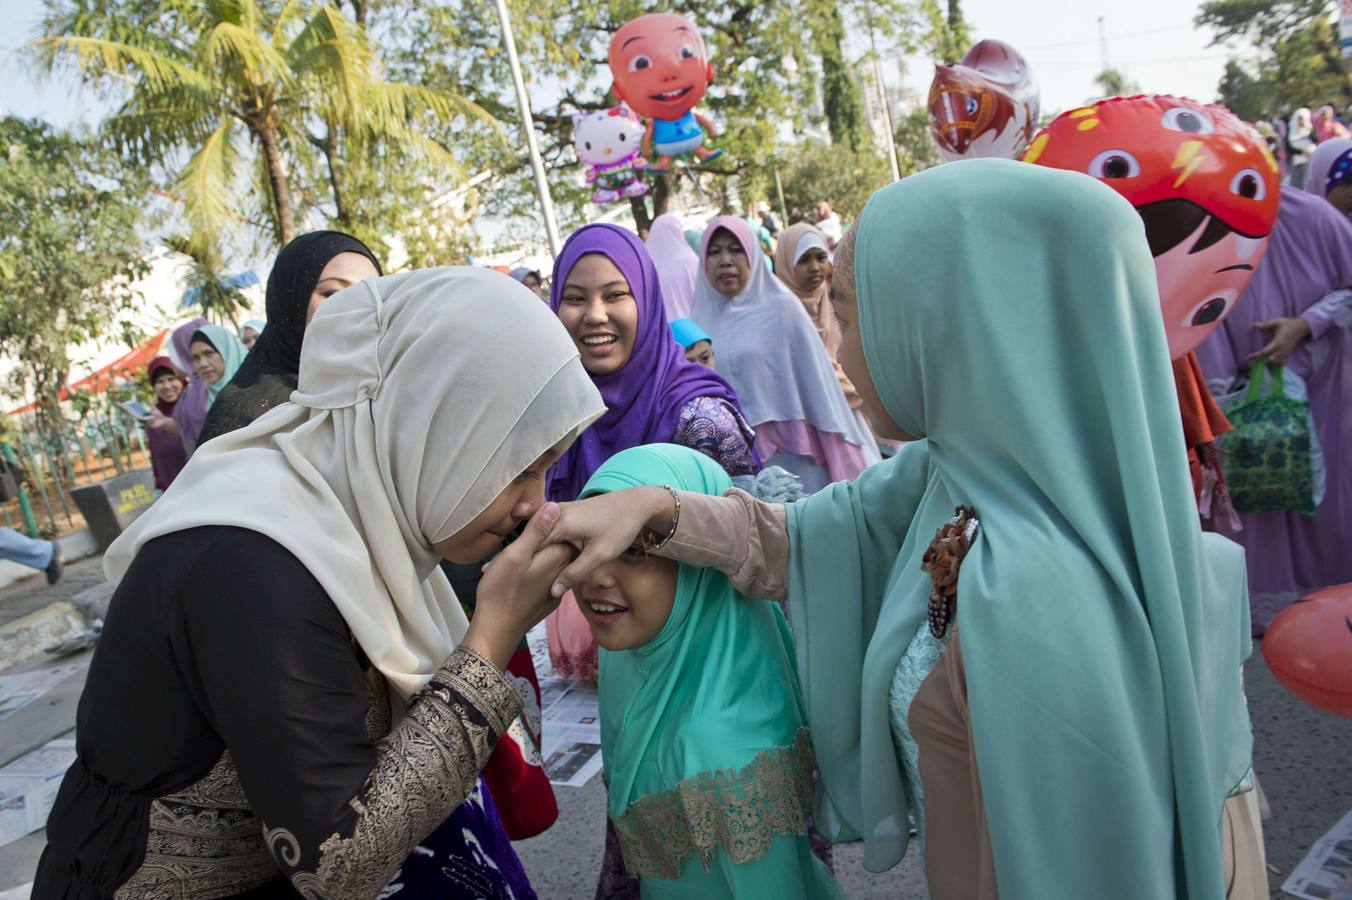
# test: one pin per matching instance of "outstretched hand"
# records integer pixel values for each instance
(514, 594)
(602, 528)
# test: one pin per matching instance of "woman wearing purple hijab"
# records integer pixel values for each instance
(1297, 311)
(608, 296)
(191, 410)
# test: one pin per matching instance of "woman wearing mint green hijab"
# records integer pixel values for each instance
(708, 762)
(1006, 316)
(216, 357)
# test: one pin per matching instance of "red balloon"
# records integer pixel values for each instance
(1203, 181)
(1308, 646)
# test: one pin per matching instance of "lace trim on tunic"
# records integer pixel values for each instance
(920, 658)
(740, 813)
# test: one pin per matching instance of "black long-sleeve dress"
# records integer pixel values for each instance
(232, 737)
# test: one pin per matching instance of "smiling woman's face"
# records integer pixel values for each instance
(627, 601)
(517, 502)
(599, 312)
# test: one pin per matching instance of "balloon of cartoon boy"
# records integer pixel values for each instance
(1204, 182)
(661, 71)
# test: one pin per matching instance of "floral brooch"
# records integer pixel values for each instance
(942, 561)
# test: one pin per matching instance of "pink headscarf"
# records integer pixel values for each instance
(1327, 127)
(677, 265)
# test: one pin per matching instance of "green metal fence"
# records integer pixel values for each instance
(105, 443)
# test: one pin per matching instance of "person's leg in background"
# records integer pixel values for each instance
(45, 556)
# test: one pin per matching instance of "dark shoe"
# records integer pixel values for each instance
(55, 568)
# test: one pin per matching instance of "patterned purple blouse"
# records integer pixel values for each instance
(715, 428)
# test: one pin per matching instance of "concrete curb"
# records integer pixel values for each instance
(25, 637)
(76, 545)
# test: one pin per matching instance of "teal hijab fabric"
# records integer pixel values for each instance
(232, 353)
(702, 731)
(1009, 316)
(258, 325)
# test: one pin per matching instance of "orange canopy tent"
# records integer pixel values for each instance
(126, 367)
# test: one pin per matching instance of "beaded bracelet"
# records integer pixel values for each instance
(675, 520)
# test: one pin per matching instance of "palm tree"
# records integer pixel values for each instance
(1115, 83)
(251, 96)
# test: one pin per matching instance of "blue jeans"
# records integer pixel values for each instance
(24, 550)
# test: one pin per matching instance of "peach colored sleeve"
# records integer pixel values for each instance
(738, 535)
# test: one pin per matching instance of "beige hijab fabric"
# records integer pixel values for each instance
(421, 396)
(817, 303)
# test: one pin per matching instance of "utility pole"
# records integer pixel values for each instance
(528, 127)
(882, 97)
(783, 209)
(1103, 46)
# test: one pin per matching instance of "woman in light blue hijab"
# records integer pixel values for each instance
(251, 331)
(1006, 316)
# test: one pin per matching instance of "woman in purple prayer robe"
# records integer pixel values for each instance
(1297, 311)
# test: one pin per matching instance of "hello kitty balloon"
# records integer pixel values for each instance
(609, 143)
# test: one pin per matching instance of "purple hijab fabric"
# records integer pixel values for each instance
(645, 397)
(1308, 259)
(191, 410)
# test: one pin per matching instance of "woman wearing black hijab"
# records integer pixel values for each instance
(307, 271)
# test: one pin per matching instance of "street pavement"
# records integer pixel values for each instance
(1303, 758)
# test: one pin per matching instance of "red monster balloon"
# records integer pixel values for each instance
(1204, 182)
(987, 105)
(660, 69)
(1308, 646)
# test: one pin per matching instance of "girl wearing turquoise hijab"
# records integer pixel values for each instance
(708, 762)
(1077, 727)
(216, 357)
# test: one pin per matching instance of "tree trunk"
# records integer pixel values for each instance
(660, 191)
(47, 384)
(329, 146)
(281, 191)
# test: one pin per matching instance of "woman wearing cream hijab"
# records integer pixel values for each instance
(287, 687)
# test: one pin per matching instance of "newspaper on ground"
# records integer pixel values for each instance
(28, 788)
(570, 721)
(17, 691)
(1326, 871)
(572, 731)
